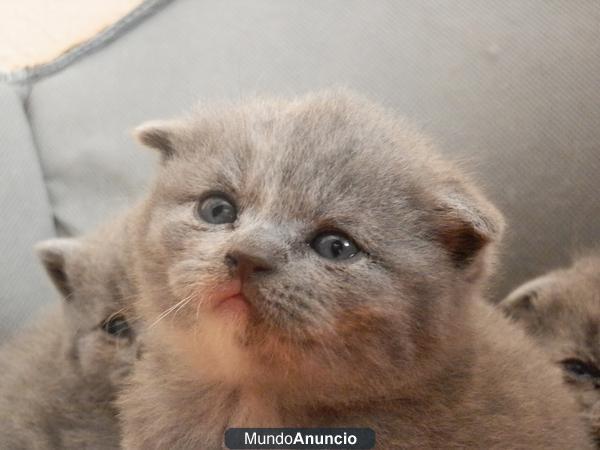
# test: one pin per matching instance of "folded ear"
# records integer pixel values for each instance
(54, 255)
(528, 301)
(160, 135)
(520, 303)
(466, 223)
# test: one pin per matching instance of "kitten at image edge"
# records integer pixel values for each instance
(59, 375)
(561, 311)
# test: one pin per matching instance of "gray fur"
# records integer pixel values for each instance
(59, 376)
(397, 339)
(561, 311)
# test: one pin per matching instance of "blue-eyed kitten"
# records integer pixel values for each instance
(312, 262)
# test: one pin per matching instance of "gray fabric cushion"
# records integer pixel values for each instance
(510, 89)
(26, 217)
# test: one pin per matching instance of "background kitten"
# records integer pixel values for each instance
(313, 263)
(59, 375)
(561, 311)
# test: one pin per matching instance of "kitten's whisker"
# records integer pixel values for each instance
(169, 310)
(116, 313)
(177, 306)
(190, 298)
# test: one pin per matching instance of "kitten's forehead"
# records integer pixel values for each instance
(568, 298)
(96, 278)
(331, 151)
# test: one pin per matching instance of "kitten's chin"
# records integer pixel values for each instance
(227, 301)
(211, 349)
(229, 341)
(236, 305)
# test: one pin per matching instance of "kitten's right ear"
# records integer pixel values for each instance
(160, 135)
(54, 254)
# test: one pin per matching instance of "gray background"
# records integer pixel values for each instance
(511, 89)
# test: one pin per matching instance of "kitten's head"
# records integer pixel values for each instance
(351, 246)
(99, 336)
(561, 311)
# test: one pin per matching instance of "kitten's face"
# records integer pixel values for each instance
(561, 310)
(326, 217)
(100, 340)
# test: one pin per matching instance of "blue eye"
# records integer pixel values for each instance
(217, 210)
(334, 246)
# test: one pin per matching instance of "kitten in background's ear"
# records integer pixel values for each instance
(60, 374)
(313, 263)
(561, 312)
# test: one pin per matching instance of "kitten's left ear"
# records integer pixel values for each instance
(54, 255)
(160, 135)
(521, 303)
(525, 306)
(466, 223)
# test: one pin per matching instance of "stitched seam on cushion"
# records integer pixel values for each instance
(25, 104)
(126, 23)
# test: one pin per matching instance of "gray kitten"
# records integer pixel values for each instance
(59, 376)
(313, 263)
(561, 311)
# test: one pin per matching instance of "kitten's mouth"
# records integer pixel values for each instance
(229, 298)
